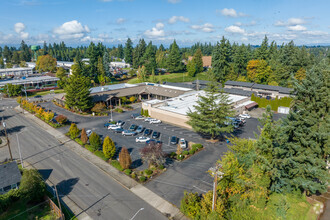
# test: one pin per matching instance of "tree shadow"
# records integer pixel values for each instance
(45, 173)
(15, 129)
(5, 117)
(136, 163)
(130, 150)
(65, 186)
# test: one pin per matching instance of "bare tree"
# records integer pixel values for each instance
(153, 154)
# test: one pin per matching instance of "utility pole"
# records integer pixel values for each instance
(4, 127)
(19, 151)
(58, 201)
(215, 171)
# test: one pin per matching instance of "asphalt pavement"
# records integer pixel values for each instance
(88, 187)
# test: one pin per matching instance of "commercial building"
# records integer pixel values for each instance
(174, 110)
(16, 72)
(120, 64)
(10, 177)
(33, 83)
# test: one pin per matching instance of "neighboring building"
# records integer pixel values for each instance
(31, 64)
(16, 72)
(174, 110)
(34, 83)
(260, 89)
(207, 61)
(65, 65)
(120, 64)
(10, 177)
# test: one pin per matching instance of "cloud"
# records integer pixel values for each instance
(175, 19)
(120, 20)
(297, 28)
(234, 29)
(174, 1)
(252, 23)
(71, 30)
(290, 22)
(230, 12)
(155, 32)
(19, 29)
(207, 27)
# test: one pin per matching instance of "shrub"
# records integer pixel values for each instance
(199, 146)
(73, 131)
(161, 167)
(143, 179)
(109, 148)
(83, 136)
(128, 172)
(125, 158)
(132, 99)
(116, 165)
(95, 141)
(180, 157)
(79, 141)
(90, 148)
(185, 152)
(172, 154)
(192, 151)
(61, 119)
(133, 175)
(101, 155)
(148, 172)
(119, 110)
(98, 107)
(32, 187)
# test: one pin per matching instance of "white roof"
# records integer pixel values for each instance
(183, 103)
(244, 104)
(16, 69)
(111, 87)
(29, 80)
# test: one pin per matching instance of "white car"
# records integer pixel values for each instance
(113, 127)
(244, 116)
(142, 139)
(155, 121)
(140, 117)
(88, 133)
(182, 143)
(147, 119)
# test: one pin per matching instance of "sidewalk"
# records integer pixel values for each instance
(166, 208)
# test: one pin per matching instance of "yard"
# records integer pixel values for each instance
(23, 210)
(175, 77)
(45, 92)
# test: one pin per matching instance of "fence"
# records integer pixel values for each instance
(55, 208)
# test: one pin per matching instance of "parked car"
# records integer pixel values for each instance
(155, 134)
(151, 140)
(118, 130)
(147, 119)
(159, 142)
(112, 127)
(140, 117)
(140, 129)
(128, 133)
(38, 96)
(183, 143)
(120, 123)
(155, 121)
(89, 132)
(244, 116)
(174, 140)
(147, 132)
(235, 124)
(135, 115)
(107, 124)
(142, 139)
(133, 127)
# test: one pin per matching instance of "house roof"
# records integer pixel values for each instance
(201, 82)
(238, 83)
(9, 174)
(207, 60)
(239, 91)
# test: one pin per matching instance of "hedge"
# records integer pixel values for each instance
(101, 155)
(185, 152)
(128, 172)
(116, 165)
(90, 148)
(79, 141)
(274, 103)
(195, 146)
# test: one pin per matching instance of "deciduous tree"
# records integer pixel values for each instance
(83, 136)
(153, 154)
(125, 158)
(73, 131)
(46, 63)
(109, 148)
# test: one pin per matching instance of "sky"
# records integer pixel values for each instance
(78, 22)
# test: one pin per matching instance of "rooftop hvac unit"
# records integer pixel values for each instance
(181, 99)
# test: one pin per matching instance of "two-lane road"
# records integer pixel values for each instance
(91, 189)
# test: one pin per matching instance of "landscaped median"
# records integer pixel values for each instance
(46, 116)
(107, 151)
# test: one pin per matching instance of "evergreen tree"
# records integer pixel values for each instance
(262, 53)
(211, 112)
(61, 74)
(77, 90)
(174, 63)
(109, 148)
(302, 148)
(73, 131)
(221, 60)
(128, 51)
(138, 54)
(149, 58)
(120, 51)
(106, 64)
(198, 60)
(95, 141)
(191, 68)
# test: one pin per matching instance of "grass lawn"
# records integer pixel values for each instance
(45, 92)
(22, 210)
(175, 77)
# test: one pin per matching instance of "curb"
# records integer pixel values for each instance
(163, 206)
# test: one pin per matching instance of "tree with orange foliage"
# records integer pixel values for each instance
(125, 158)
(258, 71)
(83, 136)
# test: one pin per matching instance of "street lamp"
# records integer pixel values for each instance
(136, 213)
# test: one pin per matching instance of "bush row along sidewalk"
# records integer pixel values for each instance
(145, 194)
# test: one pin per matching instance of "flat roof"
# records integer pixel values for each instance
(111, 87)
(15, 69)
(183, 103)
(29, 80)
